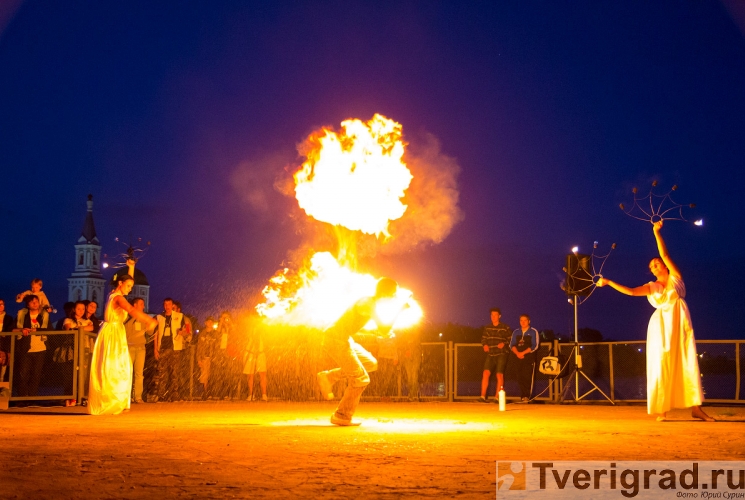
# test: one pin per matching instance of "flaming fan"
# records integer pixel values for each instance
(582, 274)
(133, 252)
(654, 207)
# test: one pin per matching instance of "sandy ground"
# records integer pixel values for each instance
(290, 450)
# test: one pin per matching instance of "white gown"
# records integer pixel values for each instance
(111, 368)
(673, 377)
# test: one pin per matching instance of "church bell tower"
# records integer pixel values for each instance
(87, 282)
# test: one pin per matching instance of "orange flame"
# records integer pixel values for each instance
(355, 178)
(319, 295)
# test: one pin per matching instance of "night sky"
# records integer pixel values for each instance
(169, 113)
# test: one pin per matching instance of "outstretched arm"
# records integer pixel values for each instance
(662, 248)
(636, 292)
(139, 316)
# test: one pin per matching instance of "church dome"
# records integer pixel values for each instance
(140, 278)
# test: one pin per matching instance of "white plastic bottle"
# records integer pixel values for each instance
(502, 400)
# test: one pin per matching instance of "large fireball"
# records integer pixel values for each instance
(355, 178)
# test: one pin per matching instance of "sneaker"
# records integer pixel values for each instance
(483, 400)
(343, 422)
(264, 398)
(139, 401)
(325, 384)
(250, 397)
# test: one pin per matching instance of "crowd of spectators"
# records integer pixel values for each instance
(180, 359)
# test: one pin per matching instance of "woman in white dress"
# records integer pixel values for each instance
(111, 367)
(673, 377)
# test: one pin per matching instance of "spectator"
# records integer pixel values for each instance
(206, 346)
(184, 368)
(169, 345)
(496, 342)
(221, 366)
(36, 285)
(63, 353)
(523, 344)
(68, 310)
(6, 325)
(256, 362)
(32, 348)
(137, 334)
(90, 313)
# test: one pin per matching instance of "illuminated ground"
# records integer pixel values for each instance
(218, 450)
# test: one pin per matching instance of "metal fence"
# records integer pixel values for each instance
(441, 371)
(60, 372)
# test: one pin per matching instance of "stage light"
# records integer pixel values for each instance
(699, 222)
(575, 249)
(105, 265)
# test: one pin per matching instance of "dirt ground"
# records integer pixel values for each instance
(290, 450)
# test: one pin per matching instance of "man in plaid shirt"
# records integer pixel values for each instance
(496, 342)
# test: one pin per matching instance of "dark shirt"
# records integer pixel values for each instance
(524, 340)
(495, 335)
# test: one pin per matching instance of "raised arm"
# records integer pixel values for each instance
(131, 267)
(636, 292)
(662, 248)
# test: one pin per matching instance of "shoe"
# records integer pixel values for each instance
(139, 401)
(483, 400)
(250, 397)
(70, 402)
(524, 400)
(264, 398)
(343, 422)
(325, 384)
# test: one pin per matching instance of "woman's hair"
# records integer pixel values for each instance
(121, 278)
(661, 262)
(75, 306)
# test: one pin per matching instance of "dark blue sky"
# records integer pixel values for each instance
(553, 110)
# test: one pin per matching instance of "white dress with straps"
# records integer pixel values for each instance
(673, 377)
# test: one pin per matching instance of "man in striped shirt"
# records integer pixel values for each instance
(496, 341)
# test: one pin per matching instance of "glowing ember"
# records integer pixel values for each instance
(355, 178)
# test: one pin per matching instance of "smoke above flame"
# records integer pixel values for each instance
(354, 178)
(358, 181)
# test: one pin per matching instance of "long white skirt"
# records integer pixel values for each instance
(111, 372)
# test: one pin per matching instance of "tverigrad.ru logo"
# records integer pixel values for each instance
(653, 480)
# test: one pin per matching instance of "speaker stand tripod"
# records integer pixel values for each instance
(577, 371)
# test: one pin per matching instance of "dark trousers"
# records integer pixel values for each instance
(525, 368)
(167, 377)
(222, 375)
(149, 388)
(29, 373)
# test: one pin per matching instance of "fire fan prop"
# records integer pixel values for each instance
(354, 179)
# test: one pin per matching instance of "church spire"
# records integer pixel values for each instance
(89, 228)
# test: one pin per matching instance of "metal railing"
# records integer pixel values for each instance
(445, 371)
(61, 377)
